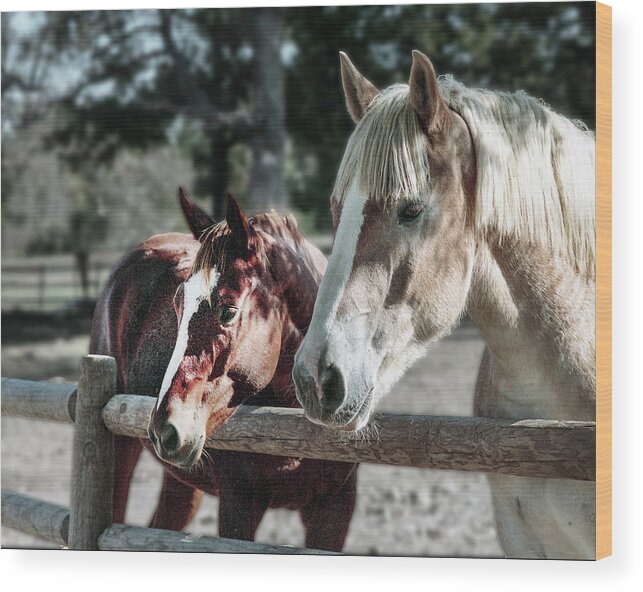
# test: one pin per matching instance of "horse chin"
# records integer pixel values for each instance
(356, 424)
(191, 458)
(347, 423)
(186, 458)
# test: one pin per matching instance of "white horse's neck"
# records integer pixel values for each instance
(537, 316)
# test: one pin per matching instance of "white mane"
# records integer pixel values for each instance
(535, 168)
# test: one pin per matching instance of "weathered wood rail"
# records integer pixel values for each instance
(39, 400)
(43, 520)
(131, 538)
(50, 522)
(533, 448)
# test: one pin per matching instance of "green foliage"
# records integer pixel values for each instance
(134, 80)
(54, 208)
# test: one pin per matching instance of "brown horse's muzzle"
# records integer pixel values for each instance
(185, 417)
(172, 444)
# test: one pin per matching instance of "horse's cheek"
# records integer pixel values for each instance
(266, 356)
(220, 356)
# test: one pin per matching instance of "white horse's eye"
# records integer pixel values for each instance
(411, 212)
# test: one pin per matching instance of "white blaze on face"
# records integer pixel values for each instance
(336, 277)
(195, 290)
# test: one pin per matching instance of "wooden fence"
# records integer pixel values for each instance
(534, 448)
(48, 283)
(46, 286)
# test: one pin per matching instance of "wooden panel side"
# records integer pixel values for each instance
(603, 281)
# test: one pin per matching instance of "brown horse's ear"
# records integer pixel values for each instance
(197, 219)
(359, 92)
(425, 95)
(239, 225)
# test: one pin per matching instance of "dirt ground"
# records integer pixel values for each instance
(400, 511)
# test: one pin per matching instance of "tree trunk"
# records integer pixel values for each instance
(218, 182)
(267, 187)
(82, 263)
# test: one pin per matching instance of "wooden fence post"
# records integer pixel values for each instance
(42, 270)
(93, 454)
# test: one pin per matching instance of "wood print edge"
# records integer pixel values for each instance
(603, 281)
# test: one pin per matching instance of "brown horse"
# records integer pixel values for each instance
(243, 293)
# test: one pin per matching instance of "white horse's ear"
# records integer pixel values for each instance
(425, 95)
(359, 92)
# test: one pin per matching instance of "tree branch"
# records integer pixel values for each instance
(192, 93)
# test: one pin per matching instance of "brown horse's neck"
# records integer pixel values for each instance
(537, 316)
(297, 273)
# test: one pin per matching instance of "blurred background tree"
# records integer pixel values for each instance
(106, 113)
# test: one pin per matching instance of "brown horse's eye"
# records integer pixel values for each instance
(411, 212)
(226, 314)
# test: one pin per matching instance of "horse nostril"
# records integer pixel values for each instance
(332, 387)
(169, 439)
(304, 382)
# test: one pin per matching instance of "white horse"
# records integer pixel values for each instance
(452, 200)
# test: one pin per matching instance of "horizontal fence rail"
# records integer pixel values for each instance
(30, 286)
(37, 518)
(50, 522)
(536, 448)
(39, 400)
(118, 537)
